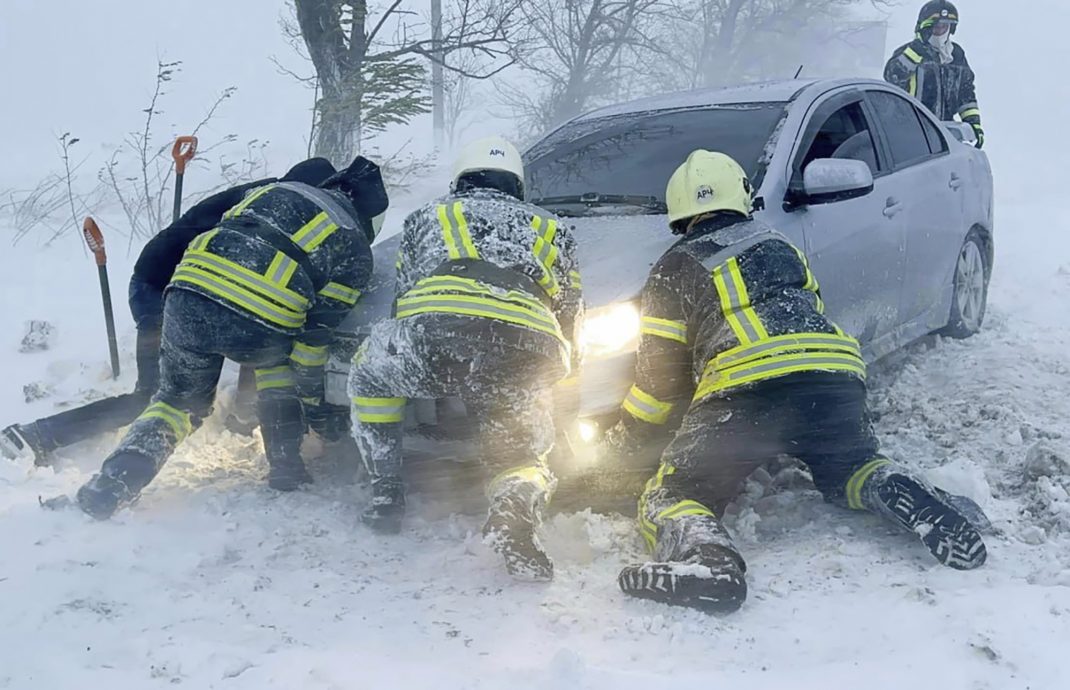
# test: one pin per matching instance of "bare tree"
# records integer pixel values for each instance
(576, 55)
(371, 61)
(719, 42)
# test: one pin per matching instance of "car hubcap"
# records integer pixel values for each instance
(970, 285)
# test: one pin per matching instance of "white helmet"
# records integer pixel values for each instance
(491, 154)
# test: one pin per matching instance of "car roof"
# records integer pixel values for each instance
(762, 92)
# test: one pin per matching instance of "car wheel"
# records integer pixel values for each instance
(969, 298)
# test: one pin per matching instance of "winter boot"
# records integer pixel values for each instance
(118, 485)
(709, 578)
(23, 442)
(921, 509)
(287, 474)
(514, 516)
(387, 508)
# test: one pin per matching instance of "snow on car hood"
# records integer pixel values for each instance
(615, 254)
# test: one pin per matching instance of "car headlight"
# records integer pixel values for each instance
(610, 330)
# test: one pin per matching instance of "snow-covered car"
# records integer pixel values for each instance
(892, 207)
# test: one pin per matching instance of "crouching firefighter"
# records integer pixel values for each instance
(265, 289)
(733, 326)
(487, 302)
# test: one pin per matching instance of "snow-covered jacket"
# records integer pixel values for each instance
(947, 90)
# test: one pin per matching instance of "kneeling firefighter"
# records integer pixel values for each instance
(265, 288)
(488, 301)
(733, 326)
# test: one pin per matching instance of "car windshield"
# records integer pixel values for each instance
(621, 164)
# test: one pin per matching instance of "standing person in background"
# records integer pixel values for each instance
(934, 69)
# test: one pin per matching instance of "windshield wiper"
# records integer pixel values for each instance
(650, 204)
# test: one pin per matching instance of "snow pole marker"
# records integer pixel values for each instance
(94, 238)
(183, 151)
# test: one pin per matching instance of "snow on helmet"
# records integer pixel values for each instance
(707, 182)
(937, 12)
(490, 162)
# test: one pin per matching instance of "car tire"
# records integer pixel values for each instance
(969, 296)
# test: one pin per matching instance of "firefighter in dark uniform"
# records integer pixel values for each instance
(933, 68)
(488, 302)
(733, 329)
(152, 272)
(265, 289)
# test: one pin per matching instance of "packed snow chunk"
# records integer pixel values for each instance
(1043, 459)
(38, 390)
(963, 477)
(40, 336)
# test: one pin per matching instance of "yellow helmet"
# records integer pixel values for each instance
(708, 181)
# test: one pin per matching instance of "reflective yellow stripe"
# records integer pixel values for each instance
(253, 196)
(462, 231)
(379, 410)
(177, 419)
(913, 55)
(664, 328)
(970, 112)
(811, 280)
(438, 284)
(200, 242)
(245, 277)
(546, 253)
(309, 355)
(531, 474)
(575, 280)
(274, 377)
(912, 85)
(239, 296)
(646, 407)
(481, 307)
(683, 509)
(854, 484)
(447, 233)
(715, 380)
(281, 270)
(735, 303)
(314, 232)
(647, 528)
(342, 293)
(781, 344)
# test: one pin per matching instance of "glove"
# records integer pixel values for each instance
(979, 132)
(330, 422)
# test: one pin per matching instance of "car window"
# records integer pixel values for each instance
(845, 134)
(937, 142)
(635, 154)
(906, 138)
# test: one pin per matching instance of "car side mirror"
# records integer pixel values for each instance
(962, 131)
(827, 180)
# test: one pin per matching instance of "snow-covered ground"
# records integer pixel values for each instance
(213, 581)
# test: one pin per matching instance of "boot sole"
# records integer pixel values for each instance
(949, 536)
(691, 585)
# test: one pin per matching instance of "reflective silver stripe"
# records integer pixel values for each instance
(265, 309)
(670, 331)
(972, 105)
(800, 341)
(644, 406)
(340, 292)
(735, 300)
(310, 238)
(907, 62)
(279, 377)
(334, 208)
(379, 409)
(295, 302)
(285, 266)
(738, 247)
(816, 362)
(444, 303)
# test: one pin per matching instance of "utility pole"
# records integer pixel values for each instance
(438, 95)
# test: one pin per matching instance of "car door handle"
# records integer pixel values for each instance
(892, 208)
(956, 182)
